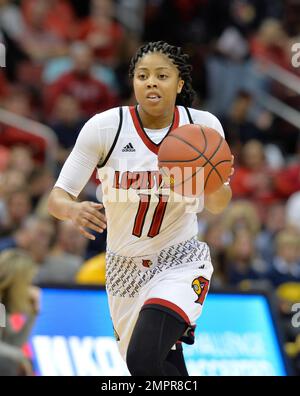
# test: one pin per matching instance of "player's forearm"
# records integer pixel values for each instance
(218, 201)
(60, 204)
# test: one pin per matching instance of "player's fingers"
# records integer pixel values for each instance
(94, 208)
(88, 224)
(97, 205)
(95, 216)
(95, 220)
(92, 226)
(86, 234)
(100, 216)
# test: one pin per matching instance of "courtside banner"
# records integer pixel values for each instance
(236, 335)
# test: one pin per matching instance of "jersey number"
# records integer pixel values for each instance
(157, 216)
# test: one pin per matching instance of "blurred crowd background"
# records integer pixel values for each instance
(68, 59)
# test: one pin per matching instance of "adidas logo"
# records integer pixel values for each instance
(128, 148)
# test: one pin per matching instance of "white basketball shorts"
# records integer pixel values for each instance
(175, 280)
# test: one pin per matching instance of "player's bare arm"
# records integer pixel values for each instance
(218, 201)
(85, 215)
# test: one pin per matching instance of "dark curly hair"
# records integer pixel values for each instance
(179, 58)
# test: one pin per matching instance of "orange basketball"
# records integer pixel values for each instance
(194, 158)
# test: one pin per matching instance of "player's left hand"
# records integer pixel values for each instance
(216, 202)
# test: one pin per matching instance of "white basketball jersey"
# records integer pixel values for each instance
(141, 218)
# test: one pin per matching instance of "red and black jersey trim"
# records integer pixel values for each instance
(141, 214)
(103, 163)
(154, 147)
(167, 306)
(189, 115)
(172, 309)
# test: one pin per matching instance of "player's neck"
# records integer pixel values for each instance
(155, 122)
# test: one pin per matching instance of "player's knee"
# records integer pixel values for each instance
(141, 361)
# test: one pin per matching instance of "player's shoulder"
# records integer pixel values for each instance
(107, 118)
(206, 118)
(101, 126)
(202, 115)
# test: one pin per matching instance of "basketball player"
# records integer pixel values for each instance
(157, 273)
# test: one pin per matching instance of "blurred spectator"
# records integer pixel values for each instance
(241, 215)
(240, 126)
(291, 17)
(11, 34)
(102, 32)
(124, 82)
(40, 182)
(293, 210)
(275, 222)
(66, 257)
(19, 297)
(10, 181)
(67, 123)
(92, 95)
(17, 208)
(21, 160)
(4, 160)
(286, 263)
(243, 262)
(254, 179)
(4, 87)
(271, 44)
(247, 15)
(231, 70)
(11, 19)
(131, 14)
(288, 179)
(215, 236)
(56, 67)
(19, 104)
(32, 230)
(38, 41)
(58, 18)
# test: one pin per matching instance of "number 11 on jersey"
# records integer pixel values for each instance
(158, 215)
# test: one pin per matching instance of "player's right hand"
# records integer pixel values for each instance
(86, 215)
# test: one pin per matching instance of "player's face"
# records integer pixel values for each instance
(156, 84)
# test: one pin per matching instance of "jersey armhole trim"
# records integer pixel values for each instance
(115, 140)
(189, 115)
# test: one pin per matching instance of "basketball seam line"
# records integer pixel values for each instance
(213, 167)
(190, 177)
(216, 150)
(201, 155)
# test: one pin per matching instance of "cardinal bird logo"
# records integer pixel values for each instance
(200, 287)
(146, 263)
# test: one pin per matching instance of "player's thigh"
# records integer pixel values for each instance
(154, 334)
